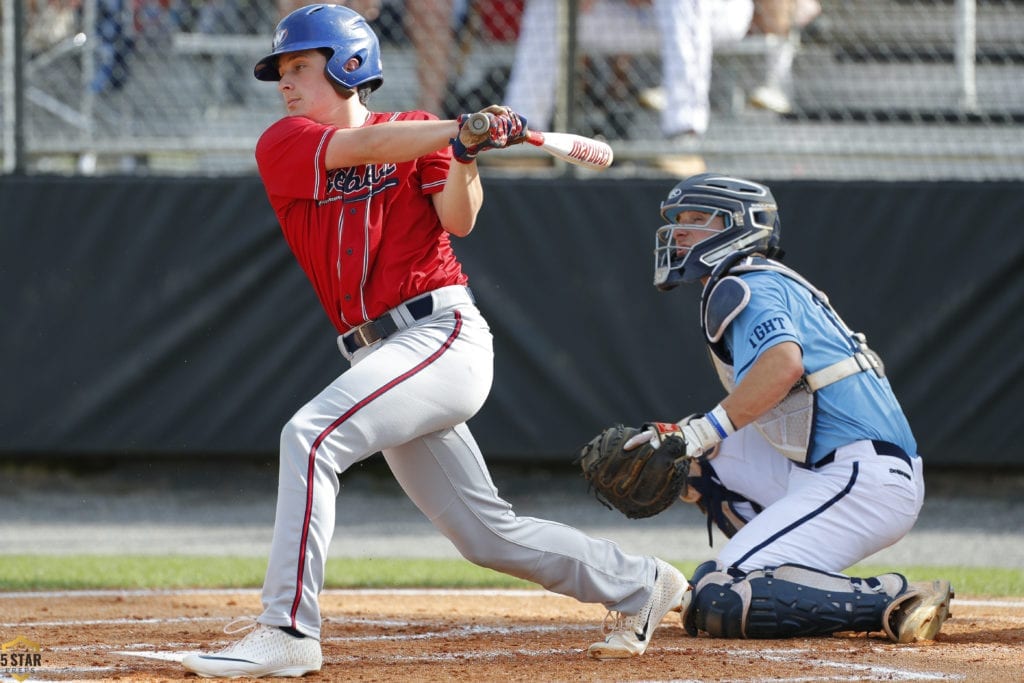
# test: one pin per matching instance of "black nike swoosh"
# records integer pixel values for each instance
(642, 635)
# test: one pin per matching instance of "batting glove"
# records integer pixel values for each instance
(507, 128)
(466, 145)
(512, 128)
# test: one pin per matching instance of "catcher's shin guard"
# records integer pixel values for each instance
(788, 601)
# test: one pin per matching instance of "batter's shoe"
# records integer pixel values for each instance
(266, 651)
(628, 635)
(919, 612)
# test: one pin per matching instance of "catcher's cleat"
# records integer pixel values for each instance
(266, 651)
(918, 613)
(629, 635)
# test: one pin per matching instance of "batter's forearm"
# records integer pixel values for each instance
(392, 142)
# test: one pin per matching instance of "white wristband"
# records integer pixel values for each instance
(704, 432)
(719, 419)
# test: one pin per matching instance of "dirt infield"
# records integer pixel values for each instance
(476, 635)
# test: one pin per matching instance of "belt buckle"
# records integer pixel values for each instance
(362, 334)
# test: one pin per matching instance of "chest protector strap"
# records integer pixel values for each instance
(789, 425)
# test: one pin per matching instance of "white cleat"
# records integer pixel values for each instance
(629, 635)
(266, 651)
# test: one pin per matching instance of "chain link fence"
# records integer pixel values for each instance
(832, 89)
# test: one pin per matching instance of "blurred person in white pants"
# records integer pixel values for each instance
(687, 31)
(783, 19)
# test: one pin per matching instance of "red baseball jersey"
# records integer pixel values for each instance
(367, 236)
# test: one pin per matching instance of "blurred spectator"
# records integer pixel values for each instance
(783, 19)
(686, 31)
(483, 25)
(430, 26)
(115, 28)
(157, 20)
(49, 22)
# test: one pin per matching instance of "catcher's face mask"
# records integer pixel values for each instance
(689, 226)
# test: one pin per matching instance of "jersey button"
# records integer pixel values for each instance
(348, 297)
(348, 251)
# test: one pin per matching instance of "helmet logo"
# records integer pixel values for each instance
(279, 38)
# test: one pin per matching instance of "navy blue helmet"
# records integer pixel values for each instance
(746, 209)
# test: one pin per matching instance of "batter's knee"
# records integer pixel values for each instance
(297, 437)
(489, 551)
(489, 545)
(291, 434)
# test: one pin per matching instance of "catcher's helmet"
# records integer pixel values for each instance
(339, 29)
(747, 210)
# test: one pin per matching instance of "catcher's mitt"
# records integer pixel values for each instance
(640, 482)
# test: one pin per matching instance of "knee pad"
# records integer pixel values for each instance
(788, 601)
(714, 607)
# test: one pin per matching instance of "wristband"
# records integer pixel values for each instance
(461, 153)
(704, 432)
(719, 419)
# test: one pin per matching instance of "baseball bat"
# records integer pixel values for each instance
(575, 149)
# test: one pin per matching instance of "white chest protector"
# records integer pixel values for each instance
(789, 425)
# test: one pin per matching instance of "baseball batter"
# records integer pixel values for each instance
(367, 202)
(808, 464)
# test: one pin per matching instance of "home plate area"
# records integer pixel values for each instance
(472, 635)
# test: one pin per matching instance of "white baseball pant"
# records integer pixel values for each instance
(409, 396)
(829, 518)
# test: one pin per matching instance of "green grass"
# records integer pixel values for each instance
(77, 572)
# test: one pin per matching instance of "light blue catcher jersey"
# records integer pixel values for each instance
(861, 406)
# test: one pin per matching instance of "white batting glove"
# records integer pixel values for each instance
(701, 432)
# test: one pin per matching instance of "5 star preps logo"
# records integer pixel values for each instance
(19, 658)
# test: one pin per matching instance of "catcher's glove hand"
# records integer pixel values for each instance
(640, 482)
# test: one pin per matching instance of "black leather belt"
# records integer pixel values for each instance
(881, 448)
(385, 326)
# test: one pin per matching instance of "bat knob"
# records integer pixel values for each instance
(478, 123)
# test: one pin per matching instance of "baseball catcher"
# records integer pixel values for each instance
(807, 466)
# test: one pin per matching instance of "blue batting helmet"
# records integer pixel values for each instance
(339, 29)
